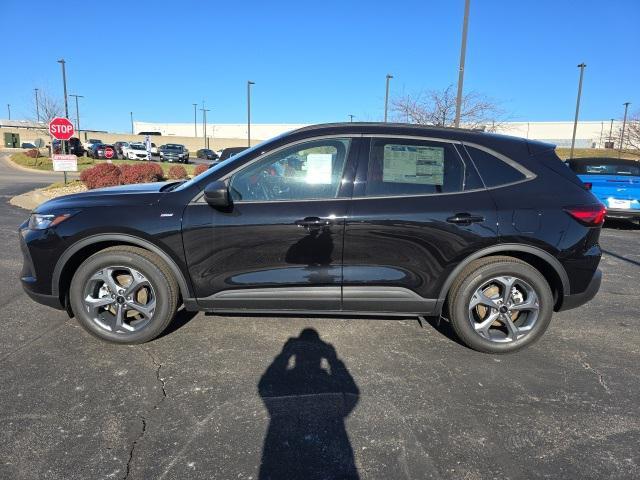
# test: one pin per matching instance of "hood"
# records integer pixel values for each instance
(137, 194)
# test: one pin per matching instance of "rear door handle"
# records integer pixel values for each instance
(465, 219)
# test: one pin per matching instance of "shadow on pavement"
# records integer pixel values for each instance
(308, 393)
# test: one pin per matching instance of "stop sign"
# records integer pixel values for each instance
(61, 128)
(108, 152)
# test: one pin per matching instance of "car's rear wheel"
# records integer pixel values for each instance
(124, 295)
(500, 305)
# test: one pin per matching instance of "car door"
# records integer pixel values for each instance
(279, 247)
(418, 209)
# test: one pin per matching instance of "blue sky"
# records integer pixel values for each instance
(317, 61)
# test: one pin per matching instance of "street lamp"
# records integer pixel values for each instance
(624, 124)
(386, 97)
(9, 110)
(351, 117)
(131, 116)
(463, 54)
(77, 113)
(575, 120)
(249, 83)
(204, 123)
(611, 133)
(195, 120)
(64, 84)
(37, 105)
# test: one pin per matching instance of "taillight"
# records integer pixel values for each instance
(588, 185)
(591, 215)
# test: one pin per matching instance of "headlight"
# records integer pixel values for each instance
(38, 221)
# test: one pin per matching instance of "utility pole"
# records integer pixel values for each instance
(9, 110)
(195, 120)
(624, 124)
(386, 97)
(37, 105)
(351, 118)
(611, 132)
(204, 123)
(77, 113)
(131, 116)
(64, 84)
(249, 83)
(575, 120)
(463, 55)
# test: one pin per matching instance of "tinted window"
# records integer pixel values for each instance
(494, 172)
(605, 167)
(312, 170)
(414, 167)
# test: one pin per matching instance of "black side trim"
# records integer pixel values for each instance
(118, 237)
(296, 298)
(386, 299)
(574, 301)
(505, 247)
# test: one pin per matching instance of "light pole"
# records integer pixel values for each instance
(77, 113)
(386, 97)
(463, 55)
(131, 116)
(9, 110)
(624, 124)
(351, 117)
(575, 120)
(611, 132)
(195, 120)
(249, 83)
(37, 105)
(64, 84)
(204, 123)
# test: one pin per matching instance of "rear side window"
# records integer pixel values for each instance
(494, 172)
(414, 167)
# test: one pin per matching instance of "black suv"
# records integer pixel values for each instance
(174, 152)
(493, 233)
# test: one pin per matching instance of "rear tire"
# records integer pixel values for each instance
(124, 295)
(500, 304)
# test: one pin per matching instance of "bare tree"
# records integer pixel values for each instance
(48, 108)
(438, 107)
(632, 134)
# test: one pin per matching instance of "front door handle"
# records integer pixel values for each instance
(314, 222)
(465, 219)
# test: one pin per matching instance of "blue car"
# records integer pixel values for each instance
(615, 181)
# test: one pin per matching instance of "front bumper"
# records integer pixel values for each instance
(31, 284)
(579, 299)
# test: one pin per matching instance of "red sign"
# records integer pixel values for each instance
(108, 152)
(61, 128)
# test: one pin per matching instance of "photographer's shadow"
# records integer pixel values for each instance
(308, 393)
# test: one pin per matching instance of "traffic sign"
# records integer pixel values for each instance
(108, 153)
(65, 163)
(61, 128)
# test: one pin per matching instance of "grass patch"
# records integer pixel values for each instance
(563, 153)
(70, 183)
(45, 164)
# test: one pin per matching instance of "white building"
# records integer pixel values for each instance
(590, 134)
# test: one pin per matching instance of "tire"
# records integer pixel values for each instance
(157, 295)
(487, 280)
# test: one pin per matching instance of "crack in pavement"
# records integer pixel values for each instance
(601, 381)
(143, 418)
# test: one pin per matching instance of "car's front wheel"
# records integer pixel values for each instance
(500, 305)
(124, 294)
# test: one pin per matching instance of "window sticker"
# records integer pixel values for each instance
(319, 168)
(413, 164)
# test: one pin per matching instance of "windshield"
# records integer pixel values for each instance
(235, 158)
(606, 167)
(137, 147)
(173, 147)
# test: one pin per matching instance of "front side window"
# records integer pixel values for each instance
(414, 167)
(310, 170)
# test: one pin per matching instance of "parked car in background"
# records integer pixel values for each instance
(27, 145)
(119, 146)
(614, 181)
(230, 152)
(89, 143)
(73, 147)
(350, 219)
(135, 151)
(154, 150)
(101, 149)
(206, 154)
(174, 152)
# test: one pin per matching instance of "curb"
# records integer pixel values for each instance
(29, 200)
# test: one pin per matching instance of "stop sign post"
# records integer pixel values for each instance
(61, 129)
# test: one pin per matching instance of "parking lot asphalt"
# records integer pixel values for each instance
(215, 397)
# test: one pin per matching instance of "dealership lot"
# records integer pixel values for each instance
(410, 402)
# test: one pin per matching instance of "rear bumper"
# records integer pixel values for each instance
(624, 214)
(578, 299)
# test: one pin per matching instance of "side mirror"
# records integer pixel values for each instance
(217, 195)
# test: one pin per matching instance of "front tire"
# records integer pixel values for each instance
(500, 305)
(124, 295)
